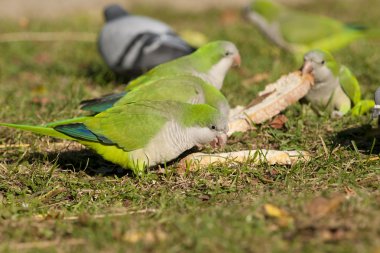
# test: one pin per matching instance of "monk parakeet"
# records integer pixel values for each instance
(335, 86)
(210, 62)
(142, 132)
(132, 44)
(300, 32)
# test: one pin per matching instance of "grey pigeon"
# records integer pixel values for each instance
(131, 44)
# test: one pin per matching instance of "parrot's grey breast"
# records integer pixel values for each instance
(321, 92)
(170, 142)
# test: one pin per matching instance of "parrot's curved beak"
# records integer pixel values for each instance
(307, 68)
(219, 141)
(236, 61)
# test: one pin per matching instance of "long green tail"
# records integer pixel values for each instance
(39, 130)
(48, 129)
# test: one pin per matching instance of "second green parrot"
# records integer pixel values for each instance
(299, 32)
(335, 87)
(210, 63)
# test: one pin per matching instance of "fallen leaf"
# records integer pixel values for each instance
(39, 89)
(279, 121)
(282, 218)
(320, 206)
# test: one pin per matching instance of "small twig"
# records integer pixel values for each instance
(101, 216)
(21, 145)
(48, 36)
(324, 146)
(45, 244)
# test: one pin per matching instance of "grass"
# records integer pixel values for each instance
(57, 196)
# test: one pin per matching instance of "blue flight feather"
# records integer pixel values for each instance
(101, 104)
(80, 131)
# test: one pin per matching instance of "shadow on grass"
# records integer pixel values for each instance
(81, 160)
(365, 138)
(91, 163)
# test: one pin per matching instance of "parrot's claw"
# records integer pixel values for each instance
(219, 141)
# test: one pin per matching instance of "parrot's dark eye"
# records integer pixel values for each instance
(213, 127)
(322, 62)
(227, 53)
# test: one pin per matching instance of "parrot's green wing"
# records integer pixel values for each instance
(185, 88)
(181, 88)
(131, 126)
(350, 84)
(134, 125)
(155, 89)
(362, 107)
(304, 31)
(307, 31)
(301, 28)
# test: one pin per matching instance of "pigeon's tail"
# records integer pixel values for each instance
(114, 11)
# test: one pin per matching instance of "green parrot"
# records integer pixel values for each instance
(147, 127)
(209, 63)
(299, 32)
(335, 87)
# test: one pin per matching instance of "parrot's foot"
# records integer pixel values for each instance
(336, 114)
(219, 141)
